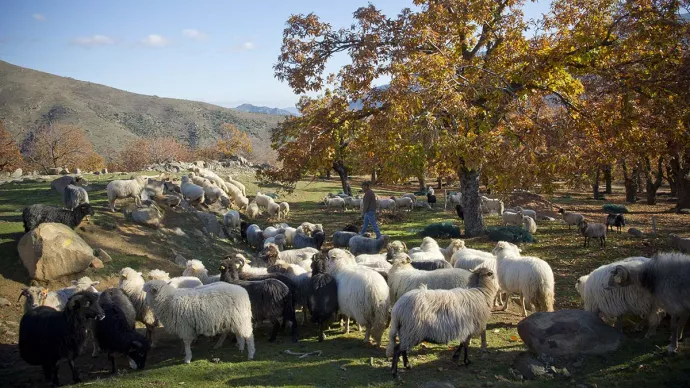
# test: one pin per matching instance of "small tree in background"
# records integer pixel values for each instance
(232, 141)
(141, 153)
(10, 158)
(57, 145)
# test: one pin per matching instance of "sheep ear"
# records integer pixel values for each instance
(75, 282)
(404, 245)
(97, 282)
(620, 275)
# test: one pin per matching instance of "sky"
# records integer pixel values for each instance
(216, 51)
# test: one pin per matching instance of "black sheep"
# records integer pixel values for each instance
(116, 333)
(270, 298)
(252, 277)
(46, 335)
(243, 230)
(460, 211)
(303, 241)
(431, 199)
(617, 220)
(430, 265)
(351, 228)
(38, 214)
(323, 293)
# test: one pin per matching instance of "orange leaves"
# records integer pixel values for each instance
(58, 145)
(10, 159)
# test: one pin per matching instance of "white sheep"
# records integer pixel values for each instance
(262, 200)
(403, 277)
(177, 282)
(441, 316)
(308, 228)
(197, 269)
(125, 188)
(271, 254)
(215, 309)
(353, 202)
(385, 204)
(57, 299)
(615, 302)
(334, 203)
(253, 210)
(242, 202)
(237, 184)
(132, 284)
(467, 254)
(231, 219)
(571, 218)
(530, 277)
(403, 202)
(284, 210)
(190, 191)
(526, 212)
(489, 205)
(529, 224)
(410, 196)
(212, 194)
(362, 293)
(510, 218)
(273, 210)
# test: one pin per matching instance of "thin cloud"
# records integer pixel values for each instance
(94, 41)
(155, 40)
(194, 34)
(247, 46)
(39, 17)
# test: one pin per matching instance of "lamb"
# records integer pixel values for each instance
(429, 250)
(262, 200)
(360, 244)
(617, 220)
(196, 268)
(528, 224)
(571, 218)
(61, 183)
(253, 210)
(385, 204)
(308, 228)
(403, 277)
(116, 333)
(323, 293)
(441, 316)
(341, 239)
(526, 212)
(289, 234)
(74, 196)
(231, 219)
(177, 282)
(47, 335)
(353, 202)
(270, 298)
(492, 205)
(470, 255)
(530, 277)
(284, 210)
(237, 184)
(303, 241)
(126, 188)
(593, 230)
(255, 236)
(192, 192)
(132, 284)
(665, 277)
(271, 254)
(209, 310)
(615, 302)
(403, 202)
(33, 297)
(242, 202)
(273, 210)
(410, 196)
(212, 194)
(38, 214)
(58, 299)
(510, 218)
(362, 293)
(334, 203)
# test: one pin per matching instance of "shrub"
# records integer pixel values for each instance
(441, 230)
(513, 234)
(611, 208)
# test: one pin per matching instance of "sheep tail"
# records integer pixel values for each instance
(392, 334)
(545, 297)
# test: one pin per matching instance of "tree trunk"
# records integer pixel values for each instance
(630, 181)
(373, 176)
(681, 172)
(440, 182)
(653, 179)
(328, 174)
(638, 177)
(469, 185)
(595, 185)
(607, 179)
(671, 178)
(340, 168)
(422, 183)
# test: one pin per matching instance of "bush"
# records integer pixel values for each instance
(441, 230)
(513, 234)
(611, 208)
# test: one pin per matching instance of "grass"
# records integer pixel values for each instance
(345, 360)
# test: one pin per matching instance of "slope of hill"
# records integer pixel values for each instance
(263, 109)
(112, 117)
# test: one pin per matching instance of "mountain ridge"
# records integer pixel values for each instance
(266, 110)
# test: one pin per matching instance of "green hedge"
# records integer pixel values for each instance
(441, 230)
(611, 208)
(513, 234)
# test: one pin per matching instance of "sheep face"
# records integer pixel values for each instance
(34, 296)
(319, 263)
(620, 277)
(401, 258)
(269, 254)
(137, 354)
(86, 209)
(86, 305)
(158, 274)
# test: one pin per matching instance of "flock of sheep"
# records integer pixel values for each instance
(426, 293)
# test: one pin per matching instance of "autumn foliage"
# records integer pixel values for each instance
(10, 158)
(60, 145)
(141, 153)
(231, 141)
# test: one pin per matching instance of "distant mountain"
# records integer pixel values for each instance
(293, 111)
(264, 110)
(112, 117)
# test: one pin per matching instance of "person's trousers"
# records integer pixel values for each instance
(370, 219)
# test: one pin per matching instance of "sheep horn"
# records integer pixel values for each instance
(24, 293)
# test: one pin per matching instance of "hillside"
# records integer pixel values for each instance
(263, 109)
(112, 117)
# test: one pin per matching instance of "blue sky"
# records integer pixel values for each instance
(210, 50)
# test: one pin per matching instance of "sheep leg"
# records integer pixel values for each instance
(49, 373)
(396, 357)
(220, 341)
(653, 321)
(322, 336)
(505, 305)
(347, 325)
(619, 323)
(75, 372)
(681, 325)
(522, 301)
(485, 345)
(456, 354)
(359, 327)
(113, 368)
(304, 315)
(406, 362)
(274, 332)
(673, 346)
(466, 359)
(187, 350)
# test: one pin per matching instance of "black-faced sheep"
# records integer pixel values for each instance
(615, 220)
(315, 241)
(323, 293)
(74, 196)
(360, 244)
(35, 215)
(592, 230)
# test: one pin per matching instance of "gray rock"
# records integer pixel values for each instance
(17, 173)
(77, 171)
(4, 302)
(180, 260)
(64, 171)
(54, 171)
(210, 223)
(636, 232)
(528, 366)
(104, 171)
(437, 384)
(568, 333)
(103, 255)
(680, 243)
(148, 216)
(684, 211)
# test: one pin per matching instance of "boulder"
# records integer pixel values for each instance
(684, 211)
(568, 333)
(54, 171)
(210, 223)
(680, 243)
(4, 302)
(103, 255)
(54, 250)
(104, 171)
(636, 232)
(180, 260)
(64, 171)
(148, 216)
(17, 173)
(96, 263)
(528, 366)
(77, 171)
